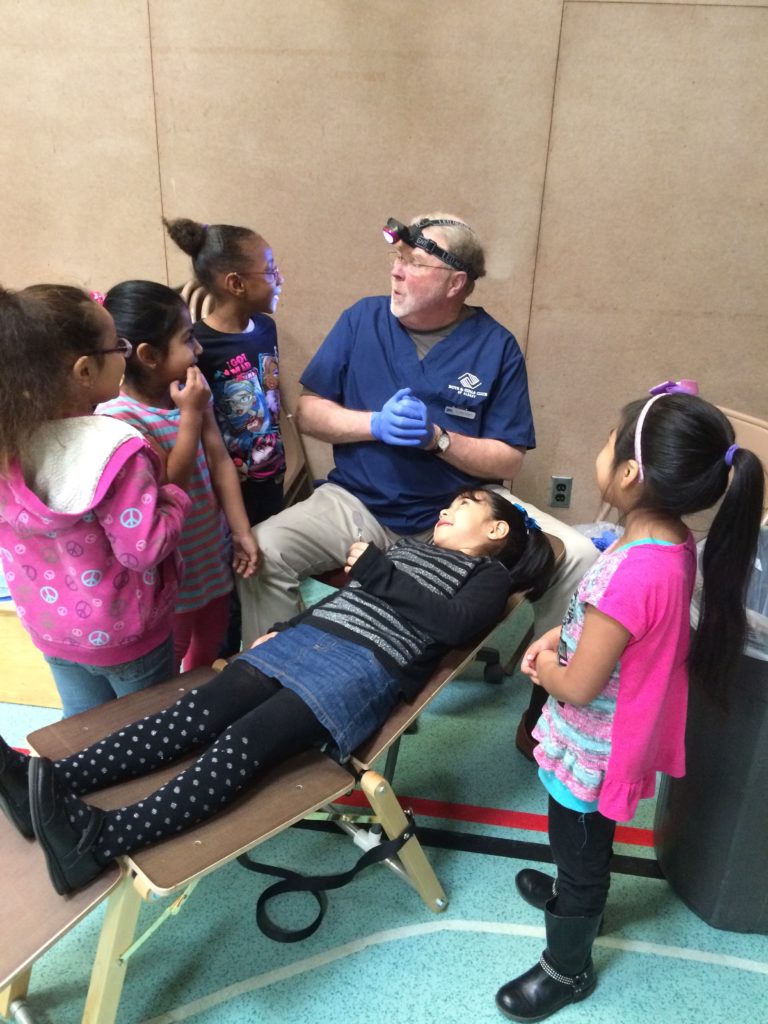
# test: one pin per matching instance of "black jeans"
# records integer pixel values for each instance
(582, 845)
(261, 500)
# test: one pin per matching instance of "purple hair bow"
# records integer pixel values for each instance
(676, 387)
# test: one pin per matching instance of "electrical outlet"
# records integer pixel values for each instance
(560, 492)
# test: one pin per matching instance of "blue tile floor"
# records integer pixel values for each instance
(380, 954)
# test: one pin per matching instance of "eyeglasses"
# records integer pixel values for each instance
(273, 272)
(415, 266)
(124, 347)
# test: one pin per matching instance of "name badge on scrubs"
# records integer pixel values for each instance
(466, 414)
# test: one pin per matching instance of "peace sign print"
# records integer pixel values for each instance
(49, 594)
(131, 518)
(98, 638)
(91, 577)
(74, 549)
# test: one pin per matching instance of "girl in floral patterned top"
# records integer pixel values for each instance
(617, 670)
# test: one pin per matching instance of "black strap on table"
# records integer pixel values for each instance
(317, 885)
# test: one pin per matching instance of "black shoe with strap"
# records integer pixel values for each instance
(564, 974)
(14, 789)
(68, 850)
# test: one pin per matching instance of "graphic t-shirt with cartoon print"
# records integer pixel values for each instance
(242, 371)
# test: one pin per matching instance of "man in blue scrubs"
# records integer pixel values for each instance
(420, 394)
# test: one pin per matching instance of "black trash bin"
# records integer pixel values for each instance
(712, 826)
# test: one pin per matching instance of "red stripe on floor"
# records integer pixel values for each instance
(494, 816)
(485, 815)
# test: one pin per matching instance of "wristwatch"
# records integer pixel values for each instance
(443, 442)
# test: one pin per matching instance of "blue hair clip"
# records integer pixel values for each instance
(530, 523)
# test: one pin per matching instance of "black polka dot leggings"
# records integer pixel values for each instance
(246, 721)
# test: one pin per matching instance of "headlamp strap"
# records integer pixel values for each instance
(430, 246)
(441, 224)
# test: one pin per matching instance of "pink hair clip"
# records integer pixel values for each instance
(98, 297)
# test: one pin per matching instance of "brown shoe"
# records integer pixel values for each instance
(524, 742)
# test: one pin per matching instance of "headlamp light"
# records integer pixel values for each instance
(395, 232)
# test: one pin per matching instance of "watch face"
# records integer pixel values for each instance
(443, 442)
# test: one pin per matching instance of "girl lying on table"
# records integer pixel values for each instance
(332, 674)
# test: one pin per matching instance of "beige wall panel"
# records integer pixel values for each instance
(577, 392)
(314, 120)
(81, 200)
(654, 232)
(701, 3)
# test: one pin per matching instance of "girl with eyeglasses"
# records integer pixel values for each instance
(88, 532)
(166, 397)
(239, 356)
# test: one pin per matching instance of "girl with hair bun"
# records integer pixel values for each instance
(240, 356)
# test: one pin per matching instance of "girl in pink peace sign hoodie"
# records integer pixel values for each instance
(88, 535)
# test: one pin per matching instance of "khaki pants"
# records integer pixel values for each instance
(313, 537)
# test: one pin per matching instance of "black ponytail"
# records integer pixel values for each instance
(532, 573)
(727, 561)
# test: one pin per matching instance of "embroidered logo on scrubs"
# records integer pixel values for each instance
(468, 386)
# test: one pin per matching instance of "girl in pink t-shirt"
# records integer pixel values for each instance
(617, 670)
(88, 533)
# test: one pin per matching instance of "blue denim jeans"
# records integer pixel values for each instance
(86, 686)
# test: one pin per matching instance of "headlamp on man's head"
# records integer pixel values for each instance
(395, 232)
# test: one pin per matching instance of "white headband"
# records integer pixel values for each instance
(669, 387)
